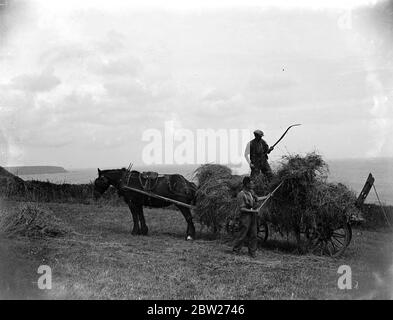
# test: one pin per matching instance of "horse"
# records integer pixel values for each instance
(172, 186)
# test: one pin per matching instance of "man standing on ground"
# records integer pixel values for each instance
(247, 200)
(256, 154)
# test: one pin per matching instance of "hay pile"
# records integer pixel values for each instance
(304, 199)
(332, 203)
(30, 220)
(207, 172)
(216, 194)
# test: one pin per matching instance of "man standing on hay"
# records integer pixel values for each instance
(256, 154)
(247, 201)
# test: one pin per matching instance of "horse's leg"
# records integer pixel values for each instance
(190, 224)
(144, 228)
(135, 217)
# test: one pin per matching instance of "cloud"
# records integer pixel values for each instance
(376, 22)
(127, 66)
(272, 82)
(131, 91)
(42, 82)
(114, 41)
(98, 78)
(215, 95)
(215, 104)
(68, 53)
(12, 13)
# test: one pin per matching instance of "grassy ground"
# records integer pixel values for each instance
(101, 260)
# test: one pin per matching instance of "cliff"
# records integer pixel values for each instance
(22, 170)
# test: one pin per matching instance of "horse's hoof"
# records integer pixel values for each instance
(135, 232)
(189, 238)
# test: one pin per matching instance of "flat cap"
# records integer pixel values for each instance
(259, 132)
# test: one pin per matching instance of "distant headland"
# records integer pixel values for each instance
(24, 170)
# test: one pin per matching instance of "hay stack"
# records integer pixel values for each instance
(210, 171)
(332, 203)
(30, 220)
(304, 197)
(216, 194)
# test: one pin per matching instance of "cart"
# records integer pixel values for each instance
(318, 237)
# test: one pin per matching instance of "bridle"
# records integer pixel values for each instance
(103, 181)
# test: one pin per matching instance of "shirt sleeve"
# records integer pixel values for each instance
(247, 152)
(241, 199)
(265, 146)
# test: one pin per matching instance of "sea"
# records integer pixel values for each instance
(351, 172)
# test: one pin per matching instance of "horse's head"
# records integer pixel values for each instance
(101, 184)
(107, 178)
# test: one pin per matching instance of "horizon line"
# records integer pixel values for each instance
(185, 164)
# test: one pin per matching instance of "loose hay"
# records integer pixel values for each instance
(30, 220)
(333, 204)
(304, 199)
(216, 194)
(215, 200)
(212, 171)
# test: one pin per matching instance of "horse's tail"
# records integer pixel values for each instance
(193, 188)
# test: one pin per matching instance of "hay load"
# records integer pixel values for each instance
(291, 205)
(214, 197)
(333, 203)
(209, 171)
(305, 197)
(216, 194)
(30, 220)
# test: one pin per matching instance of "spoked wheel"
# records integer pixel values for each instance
(263, 230)
(328, 241)
(232, 226)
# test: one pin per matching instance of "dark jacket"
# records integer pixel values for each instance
(258, 151)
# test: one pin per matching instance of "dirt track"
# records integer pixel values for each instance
(101, 260)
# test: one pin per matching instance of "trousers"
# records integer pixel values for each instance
(248, 229)
(263, 168)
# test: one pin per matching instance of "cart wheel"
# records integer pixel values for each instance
(263, 230)
(330, 242)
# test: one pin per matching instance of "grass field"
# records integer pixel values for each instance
(100, 259)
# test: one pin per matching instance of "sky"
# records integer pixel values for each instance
(82, 81)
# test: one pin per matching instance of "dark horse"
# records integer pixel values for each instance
(173, 186)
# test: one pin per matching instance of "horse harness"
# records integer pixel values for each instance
(148, 180)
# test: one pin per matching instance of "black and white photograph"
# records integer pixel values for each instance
(196, 150)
